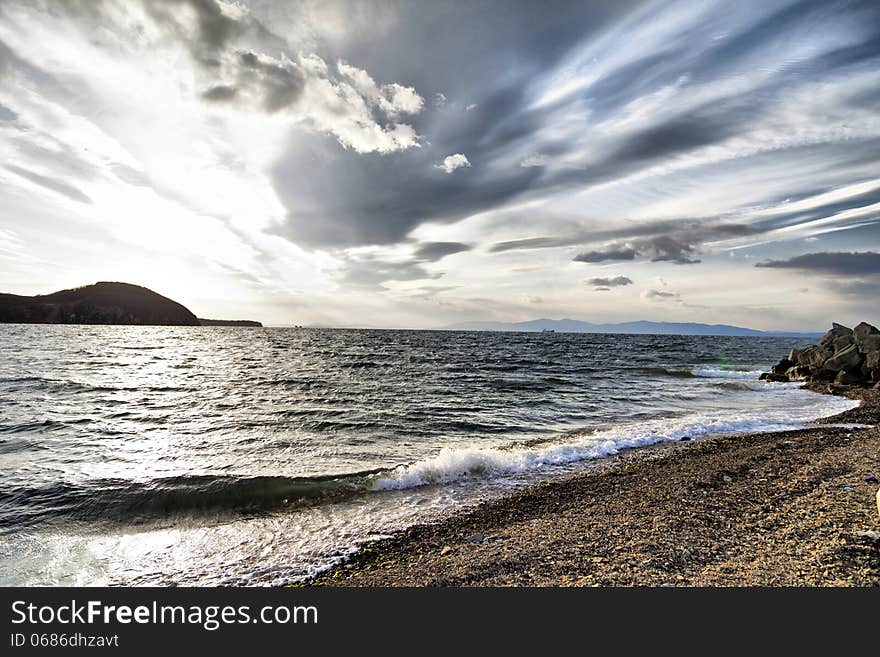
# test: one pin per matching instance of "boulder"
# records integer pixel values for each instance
(813, 356)
(868, 343)
(864, 329)
(844, 357)
(822, 374)
(782, 366)
(776, 378)
(847, 379)
(848, 359)
(841, 343)
(837, 331)
(798, 372)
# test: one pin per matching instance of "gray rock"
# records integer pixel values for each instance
(798, 372)
(776, 378)
(837, 331)
(805, 355)
(822, 374)
(868, 343)
(794, 355)
(848, 359)
(872, 359)
(819, 356)
(842, 342)
(782, 366)
(475, 538)
(847, 379)
(864, 329)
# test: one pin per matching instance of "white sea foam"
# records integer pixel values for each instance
(784, 409)
(709, 372)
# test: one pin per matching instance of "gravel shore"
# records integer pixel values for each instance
(783, 509)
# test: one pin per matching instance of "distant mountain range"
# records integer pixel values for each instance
(638, 328)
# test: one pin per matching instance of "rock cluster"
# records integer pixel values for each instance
(844, 356)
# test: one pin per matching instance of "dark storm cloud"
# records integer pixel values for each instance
(677, 136)
(606, 283)
(613, 253)
(668, 249)
(496, 59)
(486, 65)
(388, 199)
(679, 247)
(48, 182)
(850, 274)
(385, 198)
(659, 249)
(434, 251)
(834, 263)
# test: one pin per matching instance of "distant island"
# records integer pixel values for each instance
(637, 328)
(104, 303)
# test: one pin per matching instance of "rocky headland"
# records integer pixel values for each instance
(104, 303)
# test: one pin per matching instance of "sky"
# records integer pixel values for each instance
(418, 164)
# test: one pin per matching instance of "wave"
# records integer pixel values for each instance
(118, 500)
(709, 372)
(453, 464)
(696, 372)
(664, 371)
(130, 501)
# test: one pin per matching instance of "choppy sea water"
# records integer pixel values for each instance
(201, 456)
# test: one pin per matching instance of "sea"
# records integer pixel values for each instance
(262, 456)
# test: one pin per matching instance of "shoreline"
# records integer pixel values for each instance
(783, 508)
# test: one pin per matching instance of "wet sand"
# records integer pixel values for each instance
(795, 508)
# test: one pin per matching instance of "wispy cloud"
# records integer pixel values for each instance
(349, 154)
(836, 263)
